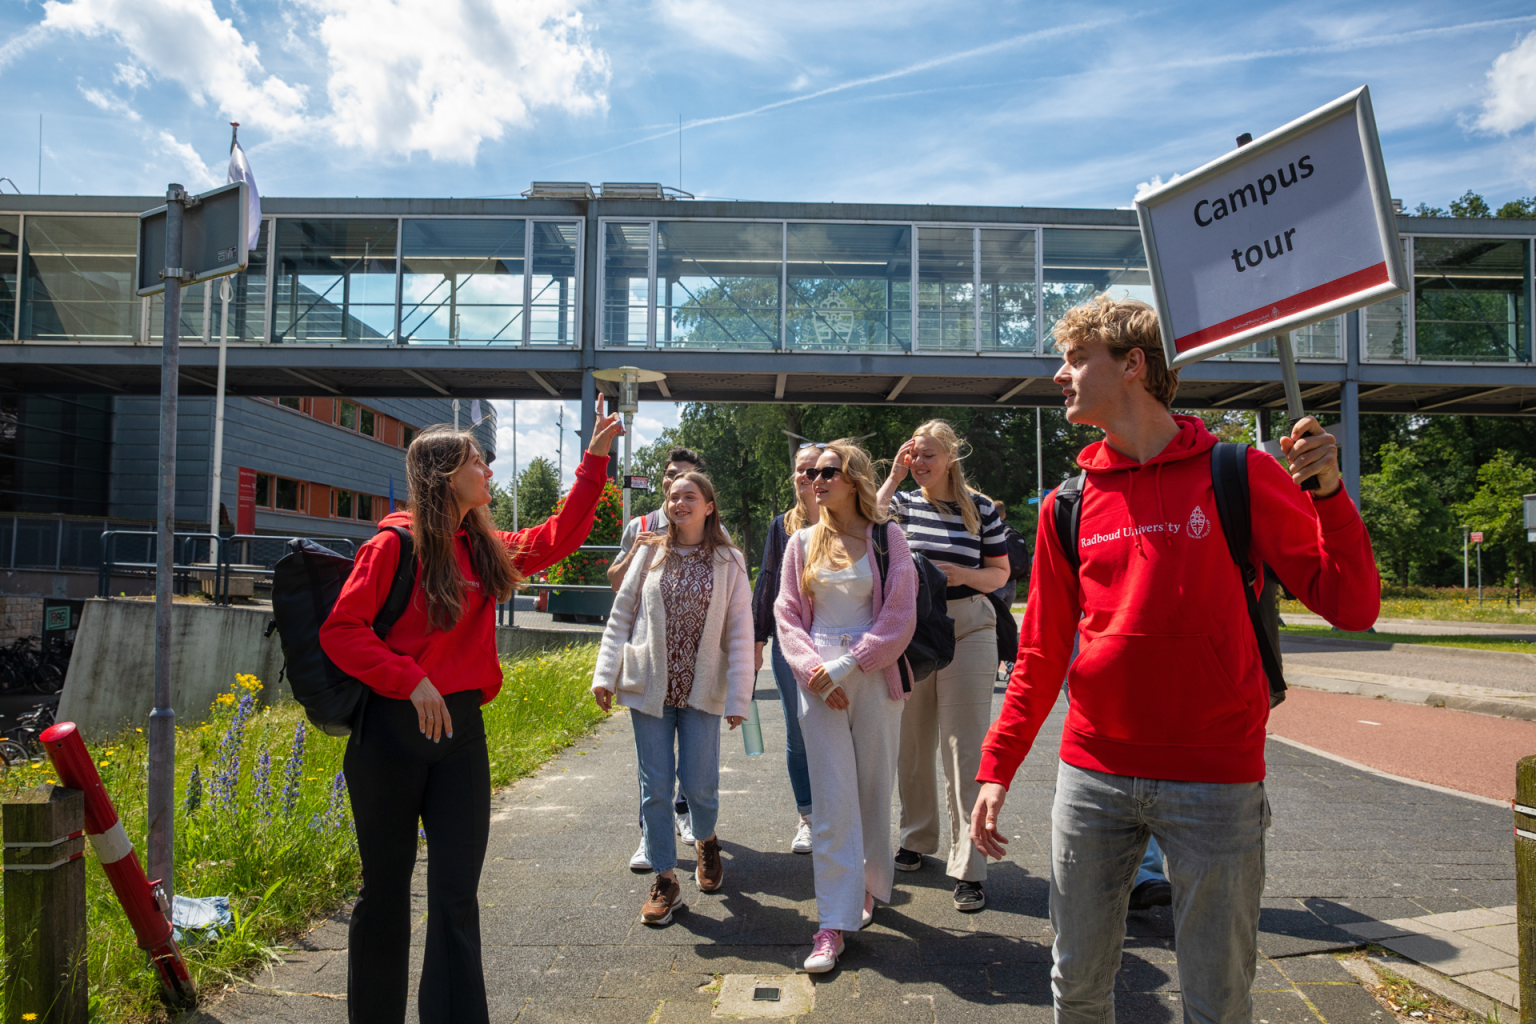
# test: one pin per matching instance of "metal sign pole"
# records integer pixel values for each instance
(218, 412)
(162, 720)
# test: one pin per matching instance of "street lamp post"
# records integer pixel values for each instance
(629, 379)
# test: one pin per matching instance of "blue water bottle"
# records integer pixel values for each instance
(752, 731)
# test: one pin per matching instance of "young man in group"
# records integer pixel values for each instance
(680, 460)
(1164, 735)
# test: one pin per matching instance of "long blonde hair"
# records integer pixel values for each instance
(797, 517)
(715, 536)
(957, 448)
(820, 552)
(433, 457)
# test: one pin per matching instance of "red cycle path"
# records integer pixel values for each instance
(1456, 749)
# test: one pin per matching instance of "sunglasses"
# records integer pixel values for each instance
(812, 444)
(825, 472)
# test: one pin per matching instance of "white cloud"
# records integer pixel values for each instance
(132, 77)
(443, 76)
(722, 27)
(1511, 101)
(538, 433)
(187, 42)
(198, 174)
(109, 102)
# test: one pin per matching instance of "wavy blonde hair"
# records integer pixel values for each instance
(820, 552)
(956, 447)
(433, 457)
(797, 517)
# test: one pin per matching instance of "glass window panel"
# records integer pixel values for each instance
(365, 423)
(335, 281)
(37, 543)
(191, 313)
(10, 226)
(462, 282)
(1319, 341)
(552, 310)
(850, 287)
(1079, 264)
(946, 289)
(344, 505)
(365, 507)
(78, 279)
(263, 490)
(719, 284)
(1007, 290)
(7, 297)
(56, 453)
(248, 296)
(347, 415)
(1469, 298)
(626, 284)
(1384, 330)
(407, 435)
(287, 494)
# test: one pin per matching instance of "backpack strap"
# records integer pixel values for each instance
(401, 587)
(1068, 516)
(1229, 481)
(880, 539)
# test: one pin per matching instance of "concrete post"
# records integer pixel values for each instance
(45, 939)
(1525, 882)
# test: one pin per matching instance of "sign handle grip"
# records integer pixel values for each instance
(1292, 393)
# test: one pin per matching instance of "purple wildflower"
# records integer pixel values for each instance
(336, 807)
(194, 797)
(226, 762)
(293, 772)
(263, 779)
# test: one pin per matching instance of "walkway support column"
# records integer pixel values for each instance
(1349, 407)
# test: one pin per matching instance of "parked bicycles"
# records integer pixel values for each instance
(23, 741)
(37, 666)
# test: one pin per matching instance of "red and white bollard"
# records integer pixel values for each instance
(142, 900)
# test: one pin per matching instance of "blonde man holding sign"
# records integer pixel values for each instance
(1165, 733)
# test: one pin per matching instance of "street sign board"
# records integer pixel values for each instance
(1530, 511)
(638, 483)
(1291, 229)
(213, 237)
(1477, 536)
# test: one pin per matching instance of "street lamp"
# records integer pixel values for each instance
(629, 379)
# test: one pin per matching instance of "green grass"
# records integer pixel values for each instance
(1443, 609)
(1479, 643)
(284, 861)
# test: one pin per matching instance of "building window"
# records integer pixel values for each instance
(263, 491)
(55, 453)
(346, 415)
(718, 284)
(407, 435)
(462, 282)
(365, 507)
(1080, 264)
(849, 287)
(79, 279)
(335, 281)
(626, 284)
(1469, 299)
(344, 505)
(552, 286)
(292, 403)
(365, 422)
(289, 495)
(10, 241)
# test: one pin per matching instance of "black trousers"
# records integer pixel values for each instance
(395, 776)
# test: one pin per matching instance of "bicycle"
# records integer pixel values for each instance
(24, 743)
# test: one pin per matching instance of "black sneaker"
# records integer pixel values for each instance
(969, 897)
(1154, 892)
(906, 860)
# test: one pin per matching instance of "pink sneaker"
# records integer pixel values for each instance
(826, 947)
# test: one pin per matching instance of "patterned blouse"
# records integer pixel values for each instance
(687, 583)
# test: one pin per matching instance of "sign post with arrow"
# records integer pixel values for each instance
(1287, 230)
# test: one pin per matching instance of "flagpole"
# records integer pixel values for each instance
(218, 414)
(514, 466)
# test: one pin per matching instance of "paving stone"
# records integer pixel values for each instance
(1463, 920)
(1449, 953)
(1314, 969)
(581, 1011)
(1345, 1004)
(1285, 1007)
(951, 1008)
(1503, 937)
(1267, 977)
(1494, 985)
(1144, 977)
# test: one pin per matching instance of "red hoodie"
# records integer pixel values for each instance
(1167, 683)
(463, 658)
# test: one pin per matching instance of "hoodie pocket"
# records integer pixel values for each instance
(1168, 690)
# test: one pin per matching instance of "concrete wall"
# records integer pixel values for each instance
(111, 682)
(514, 641)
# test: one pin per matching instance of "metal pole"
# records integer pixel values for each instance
(629, 419)
(162, 720)
(514, 467)
(1466, 562)
(1479, 574)
(218, 408)
(1039, 456)
(1292, 393)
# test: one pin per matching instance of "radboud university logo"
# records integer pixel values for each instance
(1199, 525)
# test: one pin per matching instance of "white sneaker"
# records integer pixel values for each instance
(802, 841)
(640, 862)
(684, 823)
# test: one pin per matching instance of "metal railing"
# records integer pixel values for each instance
(506, 611)
(188, 566)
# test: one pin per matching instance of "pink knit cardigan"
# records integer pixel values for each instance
(895, 613)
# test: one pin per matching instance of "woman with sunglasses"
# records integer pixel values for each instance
(844, 628)
(950, 710)
(805, 513)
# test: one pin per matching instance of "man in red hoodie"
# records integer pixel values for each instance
(1164, 733)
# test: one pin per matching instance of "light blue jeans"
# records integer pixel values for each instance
(1212, 835)
(683, 743)
(794, 743)
(1151, 869)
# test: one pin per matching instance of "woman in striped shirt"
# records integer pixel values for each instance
(949, 710)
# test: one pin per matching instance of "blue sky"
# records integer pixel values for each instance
(897, 101)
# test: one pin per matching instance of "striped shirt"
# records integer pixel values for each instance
(938, 531)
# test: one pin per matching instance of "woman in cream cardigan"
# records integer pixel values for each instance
(677, 651)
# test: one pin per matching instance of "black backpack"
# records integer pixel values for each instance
(933, 642)
(1229, 479)
(305, 585)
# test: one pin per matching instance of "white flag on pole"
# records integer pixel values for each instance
(240, 170)
(474, 412)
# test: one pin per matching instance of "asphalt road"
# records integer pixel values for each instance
(1442, 664)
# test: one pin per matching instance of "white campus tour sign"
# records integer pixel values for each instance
(1293, 228)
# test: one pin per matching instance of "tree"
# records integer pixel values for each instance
(1497, 509)
(1470, 205)
(1409, 524)
(590, 567)
(537, 491)
(1473, 205)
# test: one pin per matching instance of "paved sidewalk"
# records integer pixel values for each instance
(1478, 948)
(563, 941)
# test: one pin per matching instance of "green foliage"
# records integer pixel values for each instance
(607, 526)
(1497, 509)
(1473, 205)
(1408, 521)
(273, 831)
(1518, 209)
(538, 488)
(1470, 205)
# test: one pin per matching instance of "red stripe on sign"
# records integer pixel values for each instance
(1359, 281)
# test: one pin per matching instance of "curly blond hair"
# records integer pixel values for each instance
(1122, 326)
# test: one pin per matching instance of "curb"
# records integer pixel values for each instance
(1431, 650)
(1495, 706)
(1449, 989)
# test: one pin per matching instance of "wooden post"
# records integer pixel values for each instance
(1525, 882)
(45, 907)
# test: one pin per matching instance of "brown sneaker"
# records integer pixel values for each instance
(666, 896)
(710, 871)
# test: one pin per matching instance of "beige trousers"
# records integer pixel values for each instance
(949, 712)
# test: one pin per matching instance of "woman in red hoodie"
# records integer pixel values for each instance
(432, 672)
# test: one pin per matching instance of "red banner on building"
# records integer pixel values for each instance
(245, 517)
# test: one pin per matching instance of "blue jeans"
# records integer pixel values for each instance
(1213, 837)
(794, 743)
(1151, 869)
(694, 762)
